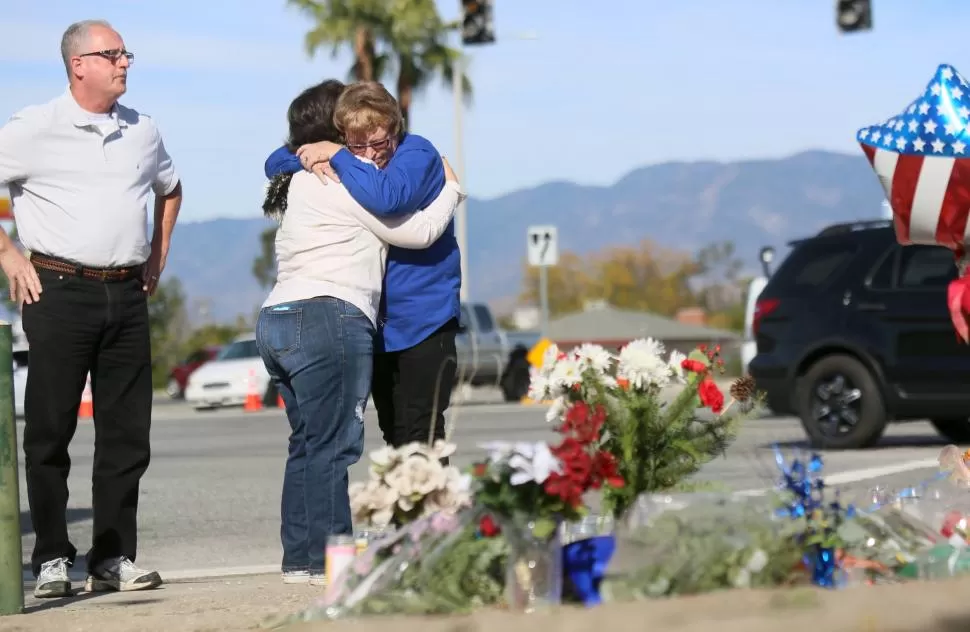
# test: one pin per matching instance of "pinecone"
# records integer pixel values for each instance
(743, 388)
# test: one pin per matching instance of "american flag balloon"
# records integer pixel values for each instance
(922, 159)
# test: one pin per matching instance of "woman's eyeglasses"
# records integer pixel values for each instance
(379, 145)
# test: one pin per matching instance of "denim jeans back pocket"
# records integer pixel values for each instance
(349, 310)
(280, 329)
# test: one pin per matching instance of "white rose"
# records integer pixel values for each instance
(383, 459)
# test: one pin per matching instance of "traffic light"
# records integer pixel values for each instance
(853, 15)
(476, 22)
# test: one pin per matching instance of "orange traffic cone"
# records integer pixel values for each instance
(253, 400)
(279, 402)
(86, 409)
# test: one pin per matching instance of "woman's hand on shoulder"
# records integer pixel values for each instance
(316, 157)
(315, 153)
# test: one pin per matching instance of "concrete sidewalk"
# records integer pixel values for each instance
(245, 603)
(223, 604)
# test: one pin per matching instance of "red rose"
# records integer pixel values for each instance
(711, 396)
(479, 470)
(488, 527)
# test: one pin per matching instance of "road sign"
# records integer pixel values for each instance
(543, 246)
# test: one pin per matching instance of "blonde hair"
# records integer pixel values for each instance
(366, 106)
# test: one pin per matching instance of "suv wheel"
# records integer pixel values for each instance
(956, 430)
(840, 404)
(173, 389)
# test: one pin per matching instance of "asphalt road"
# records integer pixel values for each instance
(210, 498)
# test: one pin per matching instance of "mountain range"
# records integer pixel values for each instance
(682, 205)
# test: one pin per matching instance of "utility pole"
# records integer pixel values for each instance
(461, 213)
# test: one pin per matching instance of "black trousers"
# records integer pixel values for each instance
(81, 325)
(412, 388)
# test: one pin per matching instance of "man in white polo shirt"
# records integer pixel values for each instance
(80, 169)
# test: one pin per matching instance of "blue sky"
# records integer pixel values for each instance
(596, 95)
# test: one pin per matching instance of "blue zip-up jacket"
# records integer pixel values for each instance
(421, 287)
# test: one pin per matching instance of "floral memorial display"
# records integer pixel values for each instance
(633, 428)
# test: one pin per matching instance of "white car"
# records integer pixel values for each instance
(228, 379)
(19, 369)
(749, 347)
(19, 389)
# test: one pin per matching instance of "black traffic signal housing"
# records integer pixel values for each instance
(853, 15)
(477, 26)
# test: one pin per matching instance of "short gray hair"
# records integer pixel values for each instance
(74, 38)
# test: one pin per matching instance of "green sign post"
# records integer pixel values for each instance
(11, 553)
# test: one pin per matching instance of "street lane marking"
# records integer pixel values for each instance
(864, 474)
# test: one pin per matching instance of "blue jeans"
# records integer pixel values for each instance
(319, 353)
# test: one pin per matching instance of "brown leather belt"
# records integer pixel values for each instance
(75, 269)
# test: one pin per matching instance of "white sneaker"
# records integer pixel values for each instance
(296, 577)
(53, 580)
(121, 574)
(318, 579)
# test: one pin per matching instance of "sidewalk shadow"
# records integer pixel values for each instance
(958, 624)
(40, 605)
(74, 514)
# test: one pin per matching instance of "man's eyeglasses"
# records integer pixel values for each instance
(379, 145)
(113, 55)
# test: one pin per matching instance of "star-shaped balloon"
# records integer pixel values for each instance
(922, 159)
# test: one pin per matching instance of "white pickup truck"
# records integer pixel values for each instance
(488, 355)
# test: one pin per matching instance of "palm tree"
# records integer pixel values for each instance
(407, 34)
(340, 23)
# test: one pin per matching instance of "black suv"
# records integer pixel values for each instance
(853, 331)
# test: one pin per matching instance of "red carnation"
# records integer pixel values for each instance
(604, 469)
(565, 488)
(711, 396)
(583, 424)
(693, 366)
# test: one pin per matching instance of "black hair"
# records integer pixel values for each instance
(310, 119)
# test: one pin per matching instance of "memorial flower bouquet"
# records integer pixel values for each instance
(407, 483)
(531, 489)
(544, 484)
(657, 438)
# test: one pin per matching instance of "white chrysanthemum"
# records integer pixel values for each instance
(549, 360)
(538, 386)
(556, 410)
(675, 362)
(591, 356)
(565, 374)
(641, 363)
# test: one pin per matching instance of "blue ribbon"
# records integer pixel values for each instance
(823, 564)
(807, 487)
(584, 563)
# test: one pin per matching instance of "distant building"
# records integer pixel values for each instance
(526, 318)
(612, 328)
